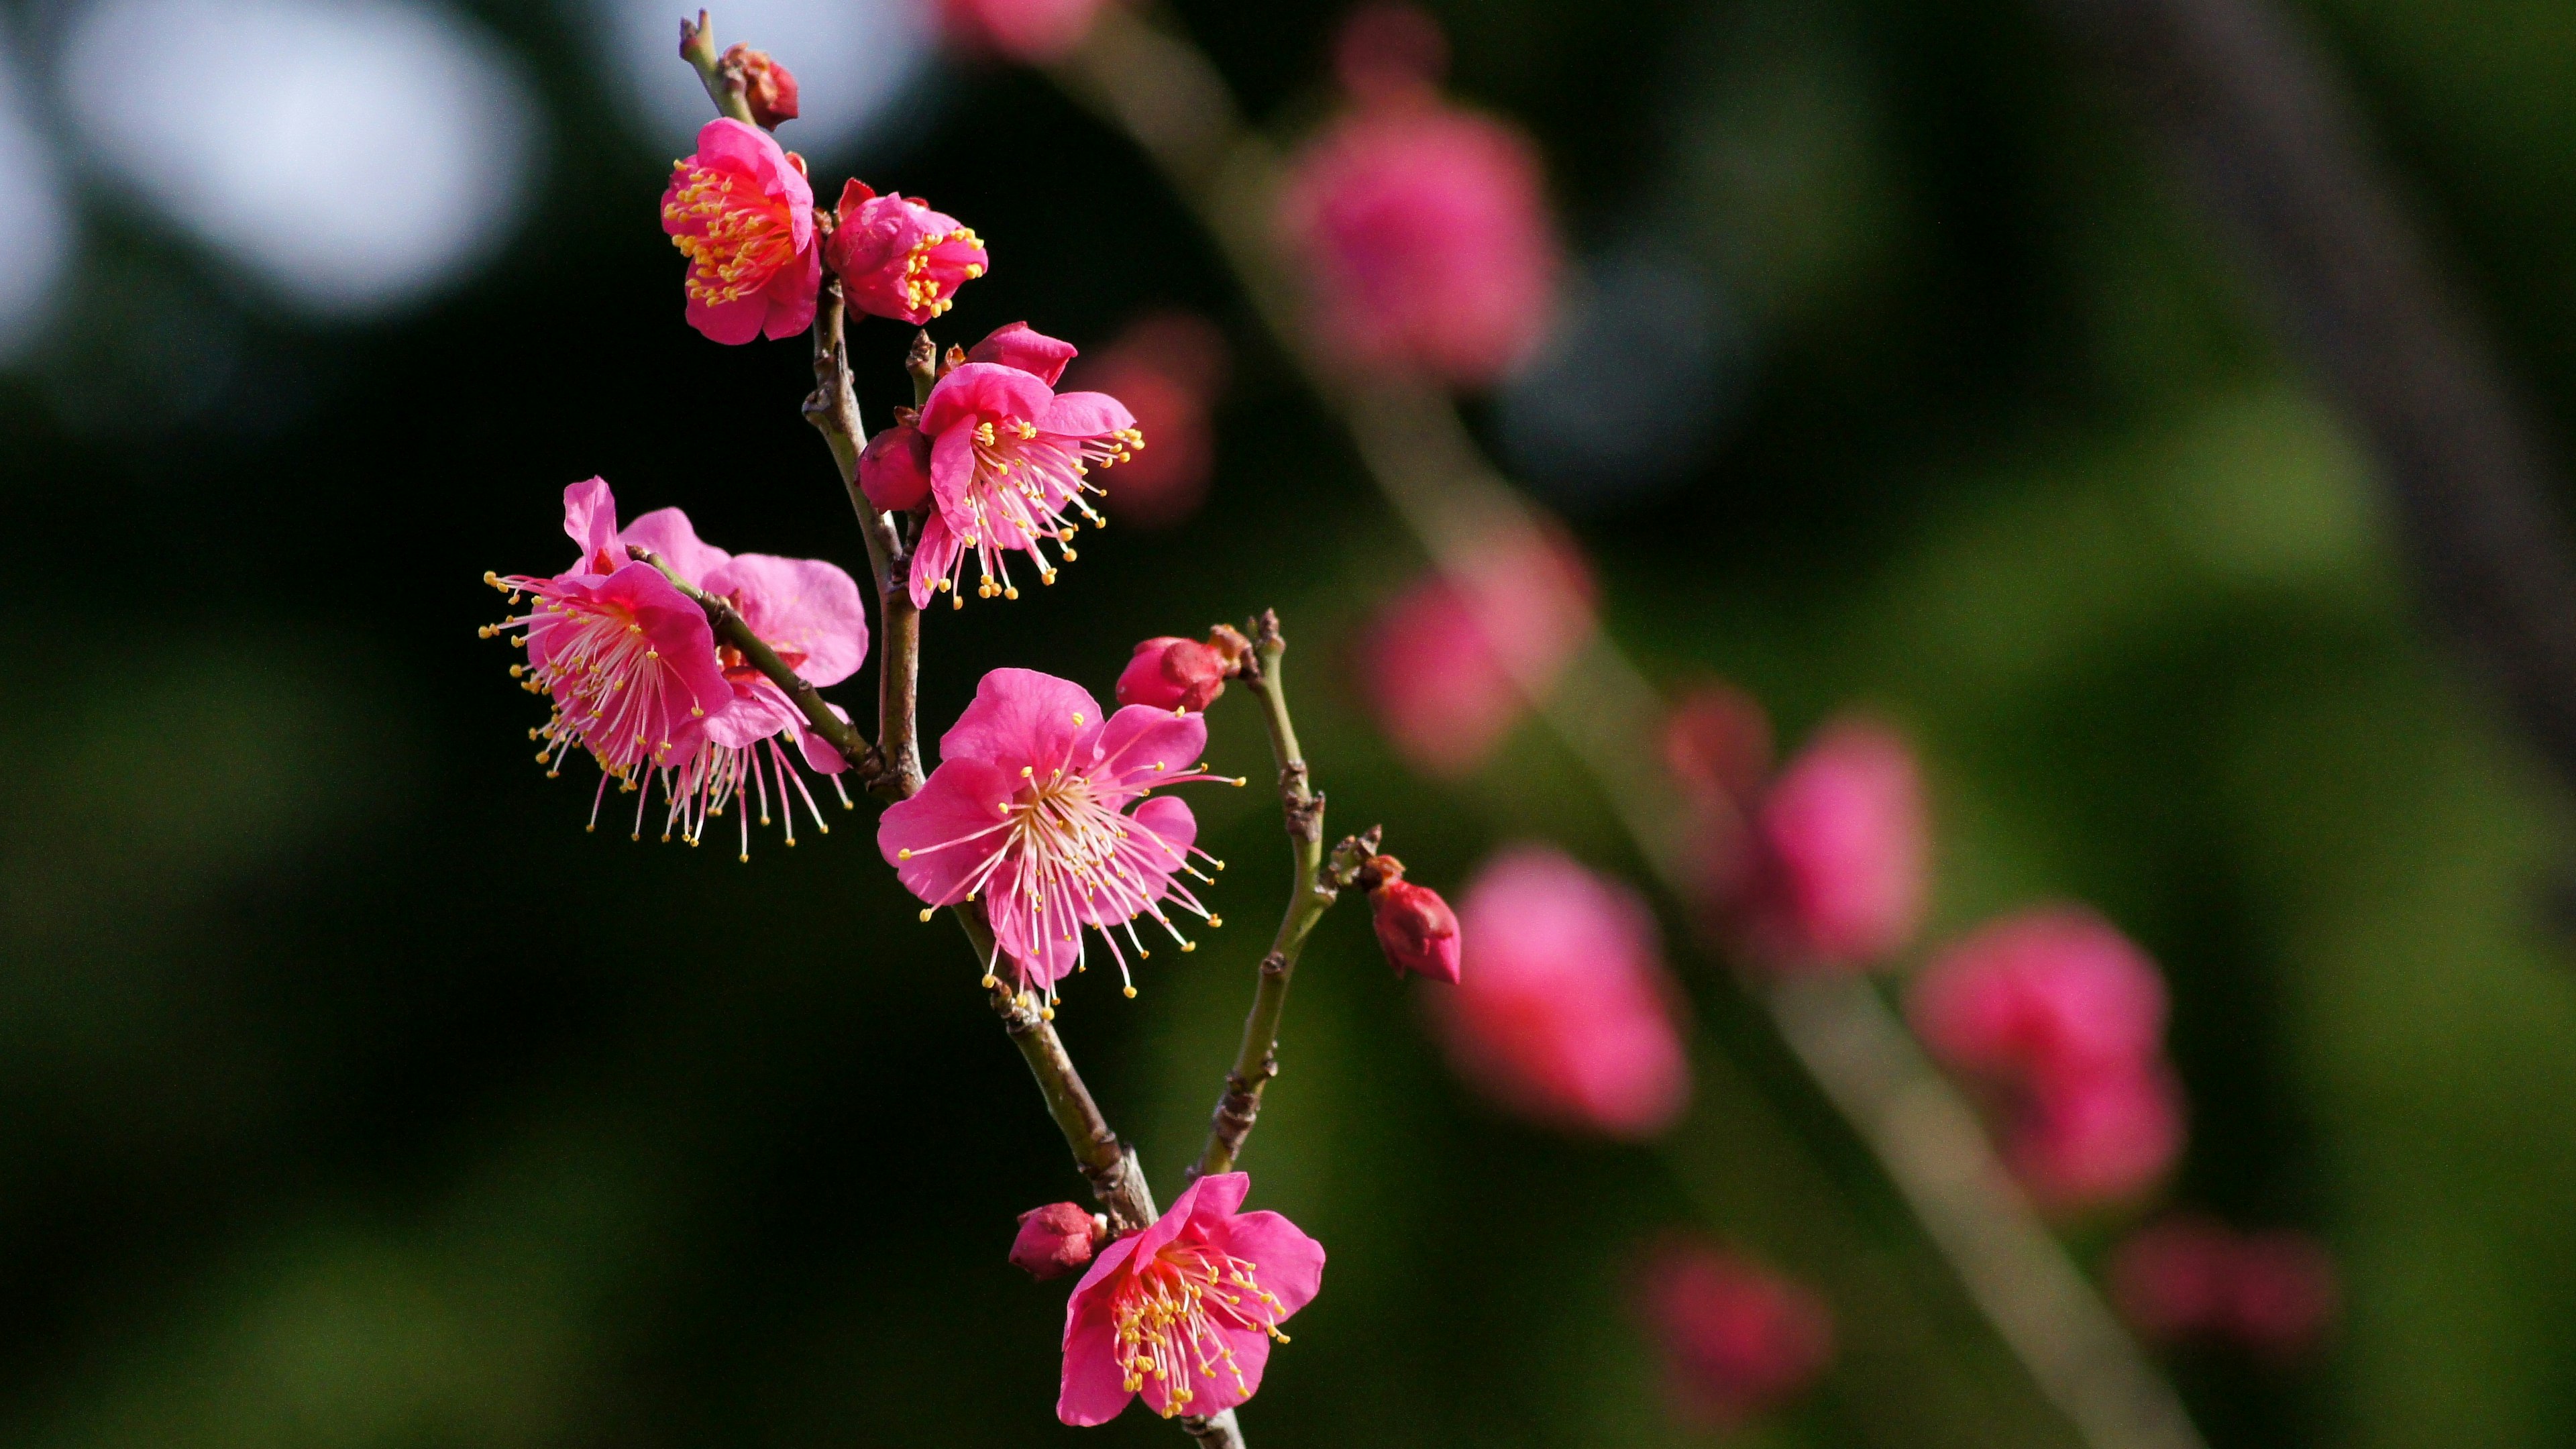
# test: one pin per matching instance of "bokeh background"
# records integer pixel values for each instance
(351, 1095)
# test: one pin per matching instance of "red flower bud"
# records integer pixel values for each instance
(1169, 673)
(1416, 929)
(1016, 344)
(894, 471)
(769, 86)
(1055, 1240)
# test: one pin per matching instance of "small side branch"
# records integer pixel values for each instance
(726, 84)
(1313, 893)
(730, 627)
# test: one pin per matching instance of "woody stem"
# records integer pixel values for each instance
(726, 85)
(1312, 893)
(732, 629)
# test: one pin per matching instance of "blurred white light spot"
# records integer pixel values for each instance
(852, 60)
(352, 154)
(40, 222)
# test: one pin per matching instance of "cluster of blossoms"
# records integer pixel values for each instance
(2061, 1018)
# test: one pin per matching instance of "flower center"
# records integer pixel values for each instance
(928, 285)
(743, 236)
(1170, 1312)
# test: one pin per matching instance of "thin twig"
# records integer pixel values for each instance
(730, 626)
(1171, 100)
(726, 84)
(1309, 896)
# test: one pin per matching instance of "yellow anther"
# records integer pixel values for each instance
(1131, 993)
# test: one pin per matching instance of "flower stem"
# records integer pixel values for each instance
(726, 85)
(731, 628)
(1309, 896)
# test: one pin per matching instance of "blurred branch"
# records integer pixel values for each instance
(1309, 896)
(1170, 99)
(731, 628)
(2262, 132)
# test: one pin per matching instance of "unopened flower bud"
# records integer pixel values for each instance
(1019, 345)
(1415, 927)
(1056, 1239)
(1169, 673)
(894, 471)
(767, 85)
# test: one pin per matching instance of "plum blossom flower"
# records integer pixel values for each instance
(1840, 853)
(2193, 1278)
(1564, 1010)
(2096, 1137)
(1032, 32)
(741, 211)
(1184, 1313)
(1169, 368)
(898, 258)
(639, 680)
(1414, 926)
(1450, 664)
(1424, 228)
(1009, 458)
(1017, 344)
(1736, 1338)
(1040, 809)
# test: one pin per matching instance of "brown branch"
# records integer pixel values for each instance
(2262, 132)
(730, 626)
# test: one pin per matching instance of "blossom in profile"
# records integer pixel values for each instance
(1041, 808)
(742, 213)
(2191, 1278)
(1736, 1338)
(1010, 458)
(1450, 664)
(1423, 229)
(1055, 1240)
(1184, 1313)
(768, 87)
(1183, 674)
(1414, 926)
(1017, 344)
(1564, 1011)
(898, 258)
(1840, 862)
(1170, 369)
(1032, 32)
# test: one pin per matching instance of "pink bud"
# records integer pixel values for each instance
(1736, 1338)
(1564, 1010)
(2285, 1294)
(894, 469)
(769, 86)
(1054, 1240)
(2097, 1138)
(1184, 674)
(2055, 990)
(1416, 929)
(1015, 344)
(1842, 853)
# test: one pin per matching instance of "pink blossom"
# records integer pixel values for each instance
(1840, 853)
(894, 468)
(898, 258)
(1450, 664)
(1029, 812)
(1426, 237)
(740, 210)
(2191, 1277)
(2101, 1136)
(1017, 344)
(1564, 1010)
(1736, 1338)
(625, 673)
(1009, 457)
(1415, 927)
(2055, 991)
(1054, 1240)
(1169, 368)
(1181, 674)
(1032, 32)
(769, 87)
(1185, 1312)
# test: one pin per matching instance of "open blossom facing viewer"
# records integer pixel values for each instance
(1563, 1009)
(1030, 812)
(1450, 664)
(743, 214)
(1184, 1312)
(898, 258)
(1009, 458)
(1736, 1338)
(1841, 851)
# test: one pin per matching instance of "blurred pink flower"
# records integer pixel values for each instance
(1009, 457)
(1029, 811)
(2193, 1278)
(1717, 749)
(1451, 662)
(1415, 927)
(1053, 1240)
(1424, 229)
(1387, 51)
(2055, 991)
(1839, 853)
(2101, 1136)
(740, 210)
(1032, 32)
(1170, 368)
(897, 258)
(1184, 1312)
(1736, 1338)
(1564, 1011)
